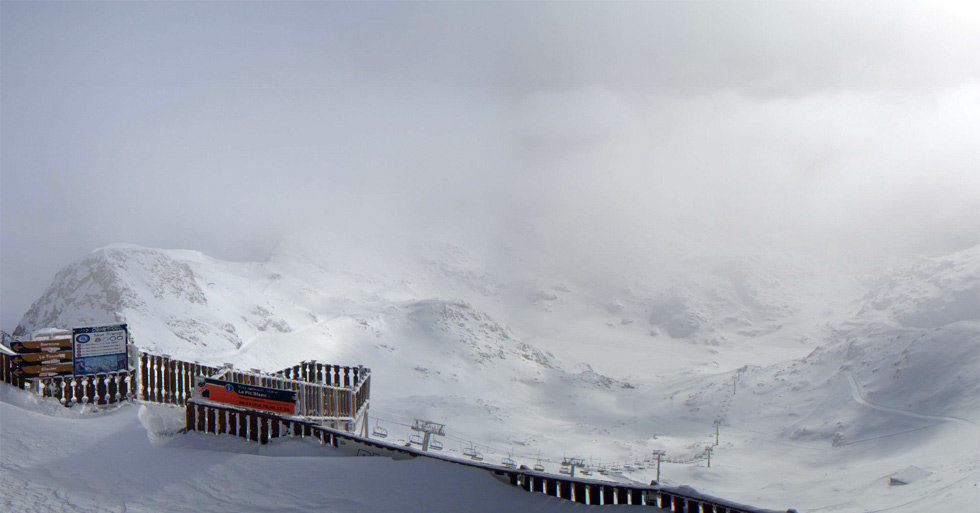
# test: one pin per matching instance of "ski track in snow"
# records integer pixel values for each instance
(927, 496)
(856, 394)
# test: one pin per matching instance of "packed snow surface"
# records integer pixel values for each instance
(827, 387)
(127, 461)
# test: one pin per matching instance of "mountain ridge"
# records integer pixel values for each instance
(543, 357)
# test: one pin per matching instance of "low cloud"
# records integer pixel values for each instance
(846, 131)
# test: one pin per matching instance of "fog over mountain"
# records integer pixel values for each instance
(562, 228)
(840, 130)
(824, 383)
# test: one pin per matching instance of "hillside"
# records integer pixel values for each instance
(522, 355)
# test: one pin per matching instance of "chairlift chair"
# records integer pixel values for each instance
(538, 467)
(379, 431)
(415, 439)
(435, 445)
(565, 469)
(477, 456)
(508, 463)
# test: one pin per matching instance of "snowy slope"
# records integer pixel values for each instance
(912, 344)
(444, 359)
(126, 460)
(183, 298)
(523, 354)
(896, 384)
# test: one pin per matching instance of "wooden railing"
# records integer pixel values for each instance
(325, 374)
(165, 380)
(108, 388)
(333, 394)
(7, 369)
(263, 427)
(168, 381)
(103, 388)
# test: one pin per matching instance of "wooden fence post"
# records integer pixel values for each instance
(201, 417)
(190, 421)
(144, 376)
(253, 427)
(172, 381)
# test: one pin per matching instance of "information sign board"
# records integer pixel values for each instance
(41, 346)
(247, 396)
(100, 349)
(42, 358)
(42, 371)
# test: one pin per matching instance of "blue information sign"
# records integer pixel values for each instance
(100, 349)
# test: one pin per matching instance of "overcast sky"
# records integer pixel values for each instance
(834, 127)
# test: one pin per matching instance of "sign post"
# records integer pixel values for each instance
(41, 358)
(41, 346)
(100, 349)
(52, 358)
(41, 370)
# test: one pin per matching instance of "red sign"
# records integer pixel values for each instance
(248, 396)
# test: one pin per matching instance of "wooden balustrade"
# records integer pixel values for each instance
(319, 388)
(165, 380)
(168, 381)
(324, 374)
(325, 391)
(101, 389)
(7, 371)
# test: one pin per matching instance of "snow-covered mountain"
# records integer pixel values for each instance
(912, 345)
(895, 382)
(521, 351)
